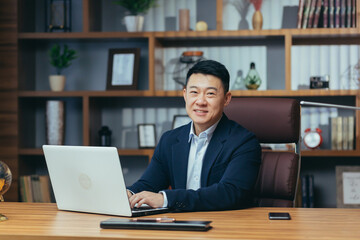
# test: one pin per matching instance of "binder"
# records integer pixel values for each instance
(153, 224)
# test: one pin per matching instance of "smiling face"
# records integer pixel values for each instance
(205, 100)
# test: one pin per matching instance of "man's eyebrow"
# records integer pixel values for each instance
(208, 88)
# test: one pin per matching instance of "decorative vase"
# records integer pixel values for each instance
(57, 82)
(184, 19)
(55, 117)
(257, 20)
(134, 23)
(252, 79)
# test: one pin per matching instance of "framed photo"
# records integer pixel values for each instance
(123, 68)
(348, 186)
(146, 135)
(58, 15)
(180, 120)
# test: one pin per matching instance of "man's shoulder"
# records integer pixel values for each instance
(181, 131)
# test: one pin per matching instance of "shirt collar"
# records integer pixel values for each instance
(207, 133)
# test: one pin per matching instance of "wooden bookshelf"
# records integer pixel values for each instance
(25, 42)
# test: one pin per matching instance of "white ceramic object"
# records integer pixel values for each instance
(57, 82)
(134, 23)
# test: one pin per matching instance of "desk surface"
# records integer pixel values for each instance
(30, 221)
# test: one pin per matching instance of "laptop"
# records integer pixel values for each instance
(90, 179)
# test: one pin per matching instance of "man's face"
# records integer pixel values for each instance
(205, 100)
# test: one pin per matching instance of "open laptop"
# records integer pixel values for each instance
(90, 179)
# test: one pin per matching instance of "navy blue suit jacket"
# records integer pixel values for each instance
(229, 172)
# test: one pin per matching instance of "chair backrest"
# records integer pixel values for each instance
(272, 120)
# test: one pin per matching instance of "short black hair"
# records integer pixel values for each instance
(211, 67)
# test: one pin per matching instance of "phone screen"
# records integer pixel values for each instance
(279, 216)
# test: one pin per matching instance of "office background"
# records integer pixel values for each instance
(285, 58)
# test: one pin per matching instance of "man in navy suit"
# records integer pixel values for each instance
(212, 163)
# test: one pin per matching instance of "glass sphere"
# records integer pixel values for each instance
(5, 178)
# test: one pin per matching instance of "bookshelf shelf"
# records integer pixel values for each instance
(160, 93)
(217, 34)
(135, 93)
(329, 153)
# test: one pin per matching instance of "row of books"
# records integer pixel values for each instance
(36, 188)
(342, 133)
(326, 14)
(307, 191)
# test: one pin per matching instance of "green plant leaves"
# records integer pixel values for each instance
(61, 59)
(136, 6)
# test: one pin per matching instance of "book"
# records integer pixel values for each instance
(22, 186)
(317, 13)
(353, 14)
(331, 13)
(351, 129)
(325, 14)
(304, 191)
(28, 189)
(35, 187)
(348, 13)
(311, 13)
(300, 13)
(337, 14)
(342, 13)
(45, 188)
(306, 13)
(345, 132)
(339, 134)
(333, 122)
(310, 179)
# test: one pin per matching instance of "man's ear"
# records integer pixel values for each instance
(227, 98)
(184, 93)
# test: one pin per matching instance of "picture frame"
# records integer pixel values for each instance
(123, 69)
(57, 15)
(348, 186)
(180, 120)
(146, 135)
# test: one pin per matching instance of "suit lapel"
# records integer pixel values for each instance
(215, 146)
(180, 155)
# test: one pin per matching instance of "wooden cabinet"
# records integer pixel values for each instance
(90, 105)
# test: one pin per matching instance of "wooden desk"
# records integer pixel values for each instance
(30, 221)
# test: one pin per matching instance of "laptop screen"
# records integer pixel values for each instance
(87, 179)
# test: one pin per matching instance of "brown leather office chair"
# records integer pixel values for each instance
(272, 120)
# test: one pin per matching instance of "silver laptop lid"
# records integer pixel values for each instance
(87, 179)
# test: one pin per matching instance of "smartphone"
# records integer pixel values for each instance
(279, 216)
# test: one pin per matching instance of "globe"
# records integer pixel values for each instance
(5, 179)
(5, 182)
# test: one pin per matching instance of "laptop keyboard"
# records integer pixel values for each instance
(137, 209)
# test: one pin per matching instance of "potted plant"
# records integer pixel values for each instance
(60, 60)
(134, 21)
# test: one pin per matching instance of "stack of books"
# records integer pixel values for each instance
(307, 191)
(342, 133)
(327, 14)
(36, 188)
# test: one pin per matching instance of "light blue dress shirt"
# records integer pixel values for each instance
(198, 148)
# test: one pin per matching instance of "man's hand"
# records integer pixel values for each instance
(154, 200)
(129, 193)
